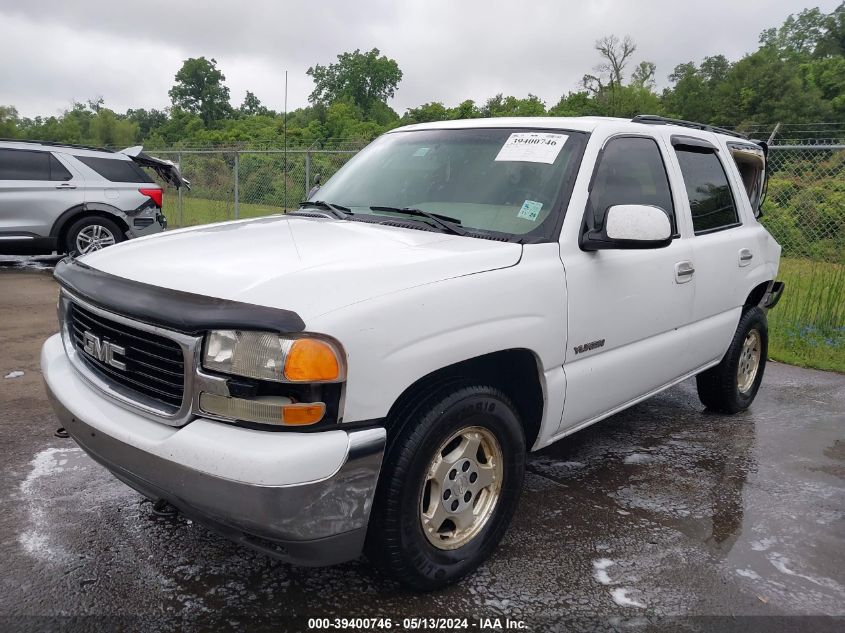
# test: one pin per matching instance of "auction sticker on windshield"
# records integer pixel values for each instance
(532, 147)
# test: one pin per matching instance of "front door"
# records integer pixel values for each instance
(35, 189)
(627, 308)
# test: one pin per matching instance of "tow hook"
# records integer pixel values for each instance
(164, 509)
(62, 433)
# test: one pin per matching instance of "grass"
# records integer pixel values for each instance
(204, 211)
(807, 327)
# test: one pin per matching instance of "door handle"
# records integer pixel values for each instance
(684, 272)
(65, 186)
(745, 256)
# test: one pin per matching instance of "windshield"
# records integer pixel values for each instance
(499, 180)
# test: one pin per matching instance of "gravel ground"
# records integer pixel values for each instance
(664, 517)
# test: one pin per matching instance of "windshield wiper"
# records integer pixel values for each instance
(339, 211)
(450, 225)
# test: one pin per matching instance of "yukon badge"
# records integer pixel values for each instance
(103, 351)
(586, 347)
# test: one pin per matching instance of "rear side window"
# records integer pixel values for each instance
(630, 171)
(17, 164)
(116, 170)
(710, 198)
(57, 170)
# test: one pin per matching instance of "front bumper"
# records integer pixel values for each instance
(302, 497)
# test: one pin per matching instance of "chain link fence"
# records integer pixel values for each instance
(228, 184)
(805, 206)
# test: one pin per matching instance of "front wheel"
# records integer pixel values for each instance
(449, 486)
(730, 386)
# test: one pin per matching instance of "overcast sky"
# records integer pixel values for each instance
(55, 51)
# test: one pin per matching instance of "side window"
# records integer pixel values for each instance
(115, 169)
(710, 199)
(630, 171)
(18, 164)
(58, 171)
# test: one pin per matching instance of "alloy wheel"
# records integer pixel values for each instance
(462, 487)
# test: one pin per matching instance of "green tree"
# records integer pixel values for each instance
(643, 75)
(146, 120)
(434, 111)
(832, 41)
(574, 104)
(500, 106)
(200, 90)
(798, 35)
(362, 78)
(107, 129)
(465, 110)
(8, 122)
(252, 106)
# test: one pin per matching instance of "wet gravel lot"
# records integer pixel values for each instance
(664, 517)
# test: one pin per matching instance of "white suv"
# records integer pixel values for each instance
(369, 372)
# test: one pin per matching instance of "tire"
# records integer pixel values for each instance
(425, 558)
(92, 226)
(729, 387)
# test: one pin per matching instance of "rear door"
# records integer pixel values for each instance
(627, 308)
(722, 245)
(35, 189)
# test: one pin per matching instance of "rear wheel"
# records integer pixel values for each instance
(732, 385)
(92, 233)
(449, 486)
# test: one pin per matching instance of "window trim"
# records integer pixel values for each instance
(717, 229)
(676, 234)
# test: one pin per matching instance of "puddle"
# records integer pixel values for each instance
(28, 262)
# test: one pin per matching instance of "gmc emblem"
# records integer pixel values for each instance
(103, 351)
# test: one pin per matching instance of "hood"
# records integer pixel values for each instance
(309, 266)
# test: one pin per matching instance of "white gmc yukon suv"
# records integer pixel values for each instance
(367, 373)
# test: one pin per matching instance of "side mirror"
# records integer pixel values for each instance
(631, 226)
(316, 187)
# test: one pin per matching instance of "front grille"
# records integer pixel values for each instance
(155, 366)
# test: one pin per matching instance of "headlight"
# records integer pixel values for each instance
(273, 357)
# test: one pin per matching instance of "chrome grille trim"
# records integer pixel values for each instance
(194, 379)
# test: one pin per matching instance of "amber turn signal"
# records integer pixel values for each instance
(311, 360)
(303, 414)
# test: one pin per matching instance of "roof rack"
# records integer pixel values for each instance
(55, 144)
(653, 119)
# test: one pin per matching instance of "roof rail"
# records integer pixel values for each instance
(55, 144)
(653, 119)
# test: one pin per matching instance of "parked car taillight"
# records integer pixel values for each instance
(154, 194)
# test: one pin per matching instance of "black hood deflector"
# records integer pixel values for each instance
(170, 309)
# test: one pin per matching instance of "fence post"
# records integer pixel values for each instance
(237, 201)
(181, 220)
(307, 171)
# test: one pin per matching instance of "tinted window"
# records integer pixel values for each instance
(16, 164)
(710, 199)
(116, 170)
(630, 171)
(57, 170)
